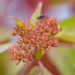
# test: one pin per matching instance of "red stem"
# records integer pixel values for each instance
(49, 65)
(41, 66)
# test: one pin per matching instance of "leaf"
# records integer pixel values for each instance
(67, 38)
(64, 58)
(19, 23)
(38, 54)
(68, 32)
(3, 63)
(67, 58)
(7, 67)
(5, 47)
(13, 69)
(42, 52)
(36, 13)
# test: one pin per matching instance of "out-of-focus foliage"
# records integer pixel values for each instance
(7, 67)
(4, 35)
(36, 13)
(5, 47)
(37, 71)
(68, 31)
(64, 57)
(58, 1)
(3, 59)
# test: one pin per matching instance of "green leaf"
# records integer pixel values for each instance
(67, 38)
(42, 52)
(7, 67)
(38, 54)
(3, 63)
(68, 32)
(19, 23)
(5, 47)
(36, 14)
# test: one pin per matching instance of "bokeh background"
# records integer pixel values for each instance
(63, 57)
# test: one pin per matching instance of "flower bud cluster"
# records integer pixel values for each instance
(41, 35)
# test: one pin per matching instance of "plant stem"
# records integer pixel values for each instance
(41, 66)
